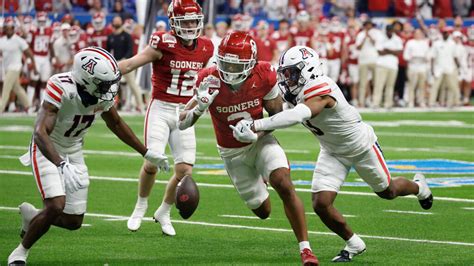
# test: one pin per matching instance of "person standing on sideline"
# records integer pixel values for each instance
(417, 55)
(365, 43)
(120, 45)
(386, 68)
(13, 47)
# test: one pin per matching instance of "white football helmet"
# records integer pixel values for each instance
(96, 70)
(297, 66)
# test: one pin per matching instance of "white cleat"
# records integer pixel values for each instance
(135, 221)
(17, 257)
(425, 197)
(27, 212)
(163, 217)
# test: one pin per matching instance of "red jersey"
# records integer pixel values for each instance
(302, 38)
(229, 107)
(282, 41)
(352, 52)
(266, 49)
(41, 40)
(99, 38)
(336, 39)
(173, 75)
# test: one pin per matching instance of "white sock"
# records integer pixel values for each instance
(354, 244)
(165, 206)
(11, 106)
(22, 249)
(142, 201)
(304, 244)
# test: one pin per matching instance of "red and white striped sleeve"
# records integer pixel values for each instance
(317, 90)
(54, 93)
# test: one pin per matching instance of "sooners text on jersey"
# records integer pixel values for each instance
(229, 107)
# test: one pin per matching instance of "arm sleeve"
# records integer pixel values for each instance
(272, 94)
(317, 90)
(284, 119)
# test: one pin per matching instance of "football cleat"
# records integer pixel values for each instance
(17, 257)
(346, 256)
(308, 258)
(162, 216)
(425, 197)
(27, 212)
(135, 221)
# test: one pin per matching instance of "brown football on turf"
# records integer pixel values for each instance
(187, 197)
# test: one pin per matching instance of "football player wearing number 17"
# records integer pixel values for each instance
(177, 56)
(72, 102)
(317, 102)
(240, 88)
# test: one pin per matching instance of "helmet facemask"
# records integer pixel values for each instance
(105, 89)
(233, 70)
(291, 80)
(186, 33)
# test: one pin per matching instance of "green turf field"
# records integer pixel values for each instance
(396, 232)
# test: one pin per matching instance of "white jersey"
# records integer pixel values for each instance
(73, 119)
(340, 129)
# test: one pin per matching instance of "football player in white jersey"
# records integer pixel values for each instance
(71, 104)
(345, 140)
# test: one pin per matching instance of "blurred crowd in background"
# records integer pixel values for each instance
(382, 53)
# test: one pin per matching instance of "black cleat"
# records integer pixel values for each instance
(346, 256)
(17, 262)
(427, 203)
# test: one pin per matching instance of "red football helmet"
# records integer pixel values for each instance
(182, 12)
(98, 21)
(41, 19)
(236, 57)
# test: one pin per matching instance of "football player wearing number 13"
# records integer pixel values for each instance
(177, 56)
(316, 101)
(240, 88)
(71, 103)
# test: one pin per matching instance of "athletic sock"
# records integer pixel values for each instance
(142, 202)
(304, 244)
(355, 244)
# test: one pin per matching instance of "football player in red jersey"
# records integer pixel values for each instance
(239, 88)
(41, 46)
(177, 56)
(98, 34)
(302, 34)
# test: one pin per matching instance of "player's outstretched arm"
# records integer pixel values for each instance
(44, 126)
(116, 124)
(144, 57)
(300, 113)
(189, 115)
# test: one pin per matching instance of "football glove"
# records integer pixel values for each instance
(204, 97)
(72, 177)
(160, 160)
(243, 131)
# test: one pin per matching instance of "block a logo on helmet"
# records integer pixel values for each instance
(89, 66)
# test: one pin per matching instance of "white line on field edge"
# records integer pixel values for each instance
(345, 215)
(409, 212)
(468, 208)
(124, 179)
(241, 217)
(258, 228)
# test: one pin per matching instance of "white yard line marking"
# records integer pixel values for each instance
(9, 157)
(468, 208)
(124, 179)
(241, 217)
(86, 225)
(258, 228)
(409, 212)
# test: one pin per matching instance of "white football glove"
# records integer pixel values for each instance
(160, 160)
(204, 97)
(243, 132)
(72, 177)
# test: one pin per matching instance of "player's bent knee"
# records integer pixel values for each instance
(281, 182)
(74, 222)
(183, 169)
(149, 168)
